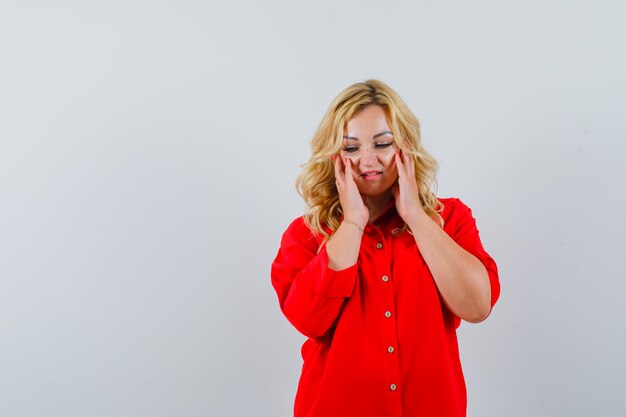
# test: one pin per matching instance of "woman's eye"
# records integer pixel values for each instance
(383, 144)
(350, 149)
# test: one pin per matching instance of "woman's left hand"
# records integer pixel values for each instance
(406, 191)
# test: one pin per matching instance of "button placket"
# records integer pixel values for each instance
(382, 251)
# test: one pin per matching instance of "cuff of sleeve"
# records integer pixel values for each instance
(331, 283)
(492, 271)
(494, 282)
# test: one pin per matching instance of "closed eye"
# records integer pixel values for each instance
(383, 144)
(351, 149)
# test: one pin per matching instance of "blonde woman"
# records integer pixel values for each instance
(379, 272)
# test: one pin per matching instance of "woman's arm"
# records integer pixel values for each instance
(461, 278)
(312, 283)
(344, 245)
(310, 293)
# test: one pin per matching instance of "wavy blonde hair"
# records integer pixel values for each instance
(316, 183)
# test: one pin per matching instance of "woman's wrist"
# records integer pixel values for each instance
(416, 219)
(355, 224)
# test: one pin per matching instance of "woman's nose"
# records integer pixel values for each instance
(367, 157)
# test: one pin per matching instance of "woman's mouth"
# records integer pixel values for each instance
(371, 175)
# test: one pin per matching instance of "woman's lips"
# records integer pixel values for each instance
(371, 175)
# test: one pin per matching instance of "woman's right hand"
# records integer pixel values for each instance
(354, 209)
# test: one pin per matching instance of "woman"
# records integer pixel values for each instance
(379, 271)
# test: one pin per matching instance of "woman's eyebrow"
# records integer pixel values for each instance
(386, 132)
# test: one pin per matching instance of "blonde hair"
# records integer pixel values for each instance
(316, 183)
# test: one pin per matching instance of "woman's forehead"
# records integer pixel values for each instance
(369, 122)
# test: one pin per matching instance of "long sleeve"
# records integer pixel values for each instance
(465, 234)
(311, 295)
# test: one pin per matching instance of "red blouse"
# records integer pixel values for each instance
(380, 340)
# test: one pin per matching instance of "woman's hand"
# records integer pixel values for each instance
(352, 204)
(406, 191)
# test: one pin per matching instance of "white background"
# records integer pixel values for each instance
(147, 164)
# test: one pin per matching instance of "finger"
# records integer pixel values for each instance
(409, 163)
(400, 166)
(338, 170)
(348, 173)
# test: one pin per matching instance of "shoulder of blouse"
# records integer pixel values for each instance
(455, 212)
(299, 228)
(451, 206)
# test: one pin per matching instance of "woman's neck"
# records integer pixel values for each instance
(377, 205)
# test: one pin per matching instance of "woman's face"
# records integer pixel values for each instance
(369, 143)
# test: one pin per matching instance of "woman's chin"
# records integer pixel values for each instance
(372, 192)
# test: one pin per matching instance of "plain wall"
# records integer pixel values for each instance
(147, 163)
